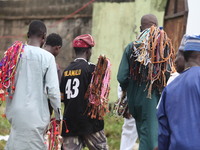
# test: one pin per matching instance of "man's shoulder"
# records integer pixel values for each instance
(192, 75)
(91, 65)
(189, 77)
(130, 45)
(129, 48)
(194, 69)
(84, 64)
(46, 53)
(38, 51)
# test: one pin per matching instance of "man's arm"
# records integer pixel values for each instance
(62, 87)
(59, 73)
(52, 87)
(124, 68)
(163, 125)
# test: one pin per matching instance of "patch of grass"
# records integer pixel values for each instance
(113, 130)
(4, 124)
(2, 144)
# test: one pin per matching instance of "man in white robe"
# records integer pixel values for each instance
(36, 81)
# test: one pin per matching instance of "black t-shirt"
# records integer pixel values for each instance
(74, 84)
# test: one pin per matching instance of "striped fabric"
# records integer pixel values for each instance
(192, 43)
(183, 41)
(95, 141)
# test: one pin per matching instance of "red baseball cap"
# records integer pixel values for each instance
(85, 41)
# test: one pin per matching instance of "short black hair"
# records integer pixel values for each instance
(54, 39)
(190, 54)
(36, 28)
(81, 50)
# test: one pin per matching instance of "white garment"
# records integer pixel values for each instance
(28, 111)
(129, 131)
(129, 134)
(172, 77)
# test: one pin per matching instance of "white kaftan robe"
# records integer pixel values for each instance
(28, 111)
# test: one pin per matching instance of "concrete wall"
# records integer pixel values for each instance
(114, 25)
(67, 30)
(15, 16)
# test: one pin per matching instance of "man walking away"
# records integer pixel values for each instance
(80, 129)
(36, 81)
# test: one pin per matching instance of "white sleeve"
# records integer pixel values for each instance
(52, 88)
(119, 92)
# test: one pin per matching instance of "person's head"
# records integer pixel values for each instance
(37, 31)
(192, 50)
(53, 44)
(180, 61)
(82, 45)
(147, 21)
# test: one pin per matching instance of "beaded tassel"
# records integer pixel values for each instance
(152, 57)
(53, 138)
(8, 66)
(99, 89)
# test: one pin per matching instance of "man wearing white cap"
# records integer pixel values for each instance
(179, 111)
